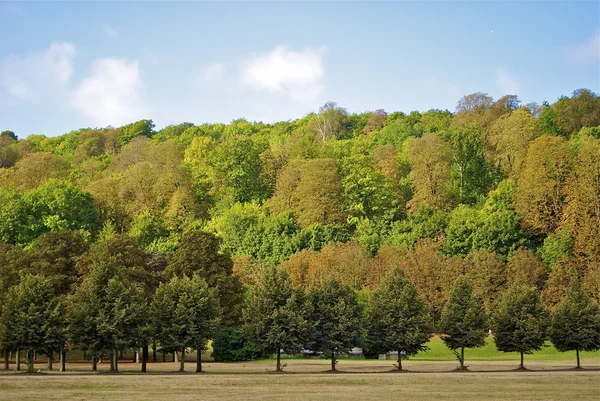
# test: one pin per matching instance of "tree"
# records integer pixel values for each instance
(107, 313)
(463, 320)
(329, 122)
(486, 272)
(576, 322)
(397, 318)
(520, 321)
(185, 314)
(200, 252)
(8, 156)
(336, 319)
(375, 121)
(32, 318)
(430, 159)
(276, 316)
(525, 268)
(541, 188)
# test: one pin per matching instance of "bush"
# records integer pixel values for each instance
(231, 345)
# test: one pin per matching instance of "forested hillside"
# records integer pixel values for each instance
(496, 191)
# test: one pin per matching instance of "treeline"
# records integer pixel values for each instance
(496, 192)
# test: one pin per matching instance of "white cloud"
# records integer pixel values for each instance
(110, 30)
(297, 74)
(38, 74)
(587, 53)
(110, 95)
(506, 83)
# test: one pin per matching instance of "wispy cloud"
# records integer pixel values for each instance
(38, 74)
(297, 74)
(110, 30)
(111, 93)
(586, 53)
(506, 83)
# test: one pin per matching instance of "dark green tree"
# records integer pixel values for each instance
(397, 318)
(32, 318)
(185, 314)
(336, 318)
(276, 316)
(520, 321)
(576, 322)
(463, 321)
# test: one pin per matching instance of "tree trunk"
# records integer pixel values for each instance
(5, 359)
(116, 355)
(175, 359)
(50, 355)
(30, 360)
(399, 360)
(18, 359)
(95, 364)
(84, 355)
(278, 368)
(63, 360)
(198, 360)
(522, 365)
(333, 361)
(182, 364)
(154, 352)
(578, 363)
(462, 358)
(136, 356)
(145, 357)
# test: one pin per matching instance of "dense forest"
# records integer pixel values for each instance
(497, 192)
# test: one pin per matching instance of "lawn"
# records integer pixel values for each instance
(349, 387)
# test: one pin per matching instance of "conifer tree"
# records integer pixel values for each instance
(397, 318)
(463, 321)
(276, 316)
(576, 322)
(520, 321)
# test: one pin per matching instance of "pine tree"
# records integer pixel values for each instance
(32, 318)
(397, 318)
(576, 322)
(276, 316)
(336, 319)
(185, 314)
(520, 322)
(463, 321)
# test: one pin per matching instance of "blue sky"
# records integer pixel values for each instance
(65, 66)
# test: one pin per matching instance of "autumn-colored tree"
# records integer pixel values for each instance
(348, 263)
(375, 121)
(541, 188)
(487, 274)
(525, 268)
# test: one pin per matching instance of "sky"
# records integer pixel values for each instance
(70, 65)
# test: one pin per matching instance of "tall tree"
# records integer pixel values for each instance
(576, 322)
(276, 316)
(185, 314)
(397, 318)
(520, 322)
(32, 318)
(336, 319)
(463, 320)
(329, 122)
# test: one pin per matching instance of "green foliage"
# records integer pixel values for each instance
(556, 246)
(427, 223)
(520, 321)
(463, 320)
(397, 318)
(140, 128)
(185, 313)
(232, 345)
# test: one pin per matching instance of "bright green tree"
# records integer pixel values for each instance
(185, 314)
(576, 322)
(520, 321)
(463, 321)
(276, 316)
(397, 318)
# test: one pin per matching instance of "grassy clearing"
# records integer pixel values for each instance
(470, 386)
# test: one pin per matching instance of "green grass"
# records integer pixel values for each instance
(439, 352)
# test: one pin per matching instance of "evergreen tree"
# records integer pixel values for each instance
(397, 318)
(32, 318)
(336, 319)
(463, 321)
(520, 321)
(276, 315)
(576, 322)
(185, 314)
